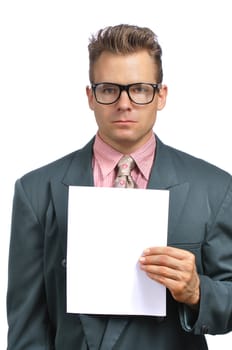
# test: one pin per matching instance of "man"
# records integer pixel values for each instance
(125, 94)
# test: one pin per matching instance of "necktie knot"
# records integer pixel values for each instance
(125, 165)
(123, 178)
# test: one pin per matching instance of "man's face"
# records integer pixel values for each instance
(125, 125)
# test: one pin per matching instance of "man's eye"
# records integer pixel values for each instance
(139, 89)
(108, 90)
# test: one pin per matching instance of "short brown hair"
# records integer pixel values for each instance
(125, 39)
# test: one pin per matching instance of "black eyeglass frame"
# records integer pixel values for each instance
(156, 87)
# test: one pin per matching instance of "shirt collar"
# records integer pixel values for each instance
(144, 156)
(107, 157)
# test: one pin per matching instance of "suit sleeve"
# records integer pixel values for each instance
(215, 311)
(26, 299)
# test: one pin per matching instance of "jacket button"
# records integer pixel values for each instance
(63, 263)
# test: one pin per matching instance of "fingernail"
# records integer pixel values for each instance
(146, 251)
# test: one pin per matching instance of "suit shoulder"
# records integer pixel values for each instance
(57, 168)
(54, 168)
(36, 183)
(197, 168)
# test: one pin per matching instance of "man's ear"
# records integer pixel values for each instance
(162, 96)
(89, 93)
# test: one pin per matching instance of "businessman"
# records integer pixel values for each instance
(125, 93)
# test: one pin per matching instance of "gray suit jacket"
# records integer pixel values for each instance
(200, 220)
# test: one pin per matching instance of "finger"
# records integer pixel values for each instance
(170, 251)
(183, 271)
(159, 261)
(158, 272)
(187, 264)
(169, 283)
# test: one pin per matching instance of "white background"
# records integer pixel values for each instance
(44, 71)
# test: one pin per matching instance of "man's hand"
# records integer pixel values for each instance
(175, 269)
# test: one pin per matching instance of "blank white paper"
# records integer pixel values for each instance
(108, 229)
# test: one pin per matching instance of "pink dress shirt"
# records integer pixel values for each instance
(105, 160)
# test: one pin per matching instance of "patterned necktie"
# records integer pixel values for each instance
(123, 178)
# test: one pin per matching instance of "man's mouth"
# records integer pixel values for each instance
(124, 121)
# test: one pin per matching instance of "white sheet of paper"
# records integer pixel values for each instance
(108, 229)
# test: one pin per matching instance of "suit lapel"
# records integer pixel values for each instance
(164, 177)
(77, 173)
(113, 331)
(94, 328)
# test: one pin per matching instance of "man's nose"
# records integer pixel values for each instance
(124, 99)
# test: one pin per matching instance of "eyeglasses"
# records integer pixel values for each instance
(139, 93)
